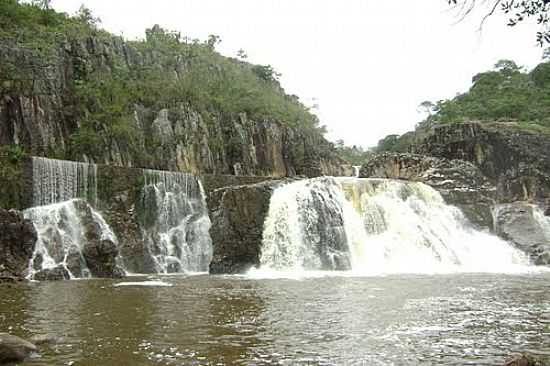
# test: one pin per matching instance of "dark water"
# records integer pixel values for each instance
(397, 320)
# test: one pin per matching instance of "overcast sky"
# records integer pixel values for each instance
(366, 63)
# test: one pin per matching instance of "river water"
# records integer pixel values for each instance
(453, 319)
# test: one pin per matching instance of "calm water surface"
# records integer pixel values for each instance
(462, 319)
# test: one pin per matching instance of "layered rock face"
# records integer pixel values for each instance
(498, 174)
(17, 242)
(179, 138)
(516, 161)
(460, 183)
(238, 214)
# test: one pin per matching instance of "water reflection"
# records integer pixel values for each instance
(202, 320)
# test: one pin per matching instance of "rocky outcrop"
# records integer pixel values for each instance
(515, 160)
(460, 183)
(76, 238)
(183, 137)
(238, 214)
(14, 349)
(17, 242)
(525, 225)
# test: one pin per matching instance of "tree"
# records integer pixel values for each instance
(213, 40)
(43, 4)
(427, 107)
(242, 54)
(517, 11)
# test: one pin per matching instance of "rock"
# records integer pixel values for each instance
(58, 273)
(460, 183)
(238, 215)
(525, 360)
(515, 160)
(524, 225)
(14, 349)
(185, 137)
(17, 242)
(101, 257)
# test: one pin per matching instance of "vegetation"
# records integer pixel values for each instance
(164, 70)
(354, 155)
(517, 11)
(507, 95)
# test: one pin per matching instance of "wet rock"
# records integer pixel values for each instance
(101, 257)
(524, 225)
(58, 273)
(238, 214)
(17, 242)
(525, 360)
(460, 183)
(14, 349)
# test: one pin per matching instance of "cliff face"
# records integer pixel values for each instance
(55, 114)
(498, 174)
(515, 160)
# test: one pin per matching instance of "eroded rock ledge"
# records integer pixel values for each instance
(17, 242)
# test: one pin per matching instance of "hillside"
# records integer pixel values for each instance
(71, 90)
(509, 96)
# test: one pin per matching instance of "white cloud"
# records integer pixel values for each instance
(368, 63)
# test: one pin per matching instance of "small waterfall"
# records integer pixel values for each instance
(382, 226)
(175, 222)
(356, 170)
(64, 229)
(304, 228)
(56, 181)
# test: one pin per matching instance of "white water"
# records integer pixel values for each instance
(389, 227)
(178, 240)
(61, 236)
(57, 181)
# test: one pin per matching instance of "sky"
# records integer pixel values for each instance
(367, 64)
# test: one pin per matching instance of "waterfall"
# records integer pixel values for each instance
(56, 181)
(64, 229)
(380, 226)
(175, 222)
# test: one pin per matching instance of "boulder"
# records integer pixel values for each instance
(58, 273)
(525, 360)
(525, 225)
(101, 257)
(238, 214)
(17, 242)
(14, 349)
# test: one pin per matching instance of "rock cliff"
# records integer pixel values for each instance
(17, 242)
(67, 113)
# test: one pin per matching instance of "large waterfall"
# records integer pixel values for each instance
(175, 222)
(374, 226)
(56, 181)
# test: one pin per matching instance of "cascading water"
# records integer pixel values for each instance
(62, 235)
(175, 221)
(56, 181)
(62, 191)
(386, 226)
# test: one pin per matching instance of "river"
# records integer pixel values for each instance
(336, 319)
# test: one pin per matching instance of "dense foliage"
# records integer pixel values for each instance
(506, 93)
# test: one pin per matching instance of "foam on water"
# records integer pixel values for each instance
(387, 227)
(143, 284)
